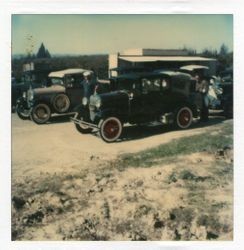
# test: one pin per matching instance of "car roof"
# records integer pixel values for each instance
(193, 67)
(166, 73)
(62, 73)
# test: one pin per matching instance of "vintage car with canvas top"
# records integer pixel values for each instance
(164, 96)
(63, 94)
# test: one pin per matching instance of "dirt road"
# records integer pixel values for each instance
(58, 147)
(63, 190)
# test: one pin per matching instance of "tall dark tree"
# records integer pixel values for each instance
(43, 52)
(48, 55)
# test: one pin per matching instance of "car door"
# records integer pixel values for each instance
(135, 100)
(74, 89)
(151, 96)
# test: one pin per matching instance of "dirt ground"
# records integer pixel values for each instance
(64, 189)
(57, 147)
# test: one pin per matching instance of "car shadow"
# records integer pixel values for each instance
(140, 132)
(59, 119)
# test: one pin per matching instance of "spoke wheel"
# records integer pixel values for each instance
(184, 118)
(61, 103)
(40, 114)
(110, 129)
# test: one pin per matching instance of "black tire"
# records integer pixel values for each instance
(40, 114)
(83, 129)
(228, 111)
(183, 117)
(110, 129)
(61, 103)
(22, 113)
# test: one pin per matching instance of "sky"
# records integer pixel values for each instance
(105, 34)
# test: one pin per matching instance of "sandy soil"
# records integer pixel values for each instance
(62, 188)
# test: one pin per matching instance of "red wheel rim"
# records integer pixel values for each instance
(184, 118)
(111, 129)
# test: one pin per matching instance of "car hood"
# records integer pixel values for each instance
(111, 99)
(114, 95)
(48, 90)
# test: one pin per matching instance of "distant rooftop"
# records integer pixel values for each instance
(165, 58)
(154, 52)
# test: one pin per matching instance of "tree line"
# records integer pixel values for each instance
(46, 63)
(223, 55)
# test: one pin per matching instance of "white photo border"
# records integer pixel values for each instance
(9, 7)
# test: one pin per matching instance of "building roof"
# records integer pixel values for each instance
(165, 58)
(154, 52)
(62, 73)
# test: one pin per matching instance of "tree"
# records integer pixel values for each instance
(48, 55)
(209, 53)
(223, 50)
(190, 51)
(43, 52)
(29, 47)
(225, 58)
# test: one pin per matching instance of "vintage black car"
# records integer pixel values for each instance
(164, 96)
(18, 88)
(63, 94)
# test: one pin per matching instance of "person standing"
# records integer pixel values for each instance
(202, 86)
(89, 84)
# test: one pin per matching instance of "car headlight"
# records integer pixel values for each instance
(84, 101)
(98, 103)
(30, 95)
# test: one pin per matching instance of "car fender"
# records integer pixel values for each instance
(21, 101)
(108, 112)
(189, 105)
(44, 101)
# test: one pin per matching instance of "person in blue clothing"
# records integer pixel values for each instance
(202, 86)
(89, 84)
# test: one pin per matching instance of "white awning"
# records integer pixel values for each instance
(62, 73)
(193, 67)
(165, 58)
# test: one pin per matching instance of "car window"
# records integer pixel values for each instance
(127, 84)
(56, 80)
(151, 85)
(74, 80)
(181, 85)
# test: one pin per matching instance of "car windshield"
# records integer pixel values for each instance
(126, 84)
(56, 80)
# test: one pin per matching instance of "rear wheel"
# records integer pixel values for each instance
(228, 111)
(81, 127)
(40, 114)
(184, 117)
(110, 129)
